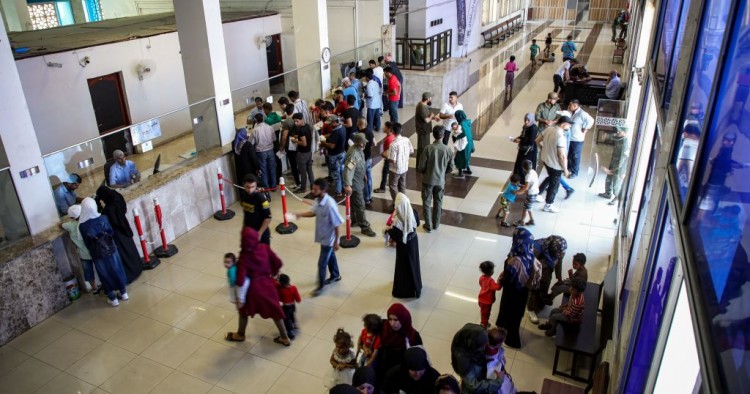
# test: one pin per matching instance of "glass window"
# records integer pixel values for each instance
(670, 19)
(655, 288)
(702, 75)
(12, 221)
(718, 220)
(676, 55)
(43, 16)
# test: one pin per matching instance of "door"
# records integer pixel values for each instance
(273, 58)
(111, 111)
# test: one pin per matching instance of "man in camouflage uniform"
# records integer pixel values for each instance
(355, 181)
(617, 166)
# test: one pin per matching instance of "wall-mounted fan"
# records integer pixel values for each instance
(264, 42)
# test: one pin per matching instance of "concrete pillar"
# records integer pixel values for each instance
(310, 19)
(21, 146)
(373, 18)
(16, 15)
(79, 15)
(204, 62)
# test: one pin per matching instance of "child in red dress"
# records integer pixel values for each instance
(488, 286)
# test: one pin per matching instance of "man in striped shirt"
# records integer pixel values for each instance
(398, 161)
(570, 313)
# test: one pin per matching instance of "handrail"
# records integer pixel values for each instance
(4, 168)
(437, 49)
(107, 134)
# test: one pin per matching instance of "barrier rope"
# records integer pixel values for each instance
(273, 189)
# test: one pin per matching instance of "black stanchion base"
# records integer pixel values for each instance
(152, 263)
(171, 251)
(224, 216)
(290, 228)
(349, 243)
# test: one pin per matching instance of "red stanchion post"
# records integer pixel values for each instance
(348, 241)
(149, 262)
(224, 214)
(165, 250)
(287, 227)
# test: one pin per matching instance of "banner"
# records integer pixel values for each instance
(466, 17)
(461, 20)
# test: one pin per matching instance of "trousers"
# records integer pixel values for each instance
(305, 169)
(574, 157)
(432, 205)
(397, 184)
(358, 207)
(554, 183)
(328, 260)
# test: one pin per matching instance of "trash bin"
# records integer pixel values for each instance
(71, 287)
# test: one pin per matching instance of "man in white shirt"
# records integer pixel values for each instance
(398, 161)
(582, 122)
(562, 74)
(554, 157)
(377, 71)
(447, 114)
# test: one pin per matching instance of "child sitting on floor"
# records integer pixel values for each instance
(570, 313)
(236, 294)
(508, 197)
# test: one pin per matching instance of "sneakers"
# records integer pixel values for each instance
(569, 193)
(113, 302)
(331, 280)
(379, 190)
(550, 208)
(426, 228)
(608, 196)
(124, 296)
(533, 318)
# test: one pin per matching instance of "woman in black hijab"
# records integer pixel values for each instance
(469, 360)
(115, 209)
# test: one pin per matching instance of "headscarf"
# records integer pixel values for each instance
(364, 375)
(468, 348)
(239, 140)
(447, 382)
(256, 260)
(460, 116)
(343, 389)
(397, 339)
(89, 210)
(404, 218)
(531, 118)
(550, 250)
(521, 257)
(415, 359)
(74, 211)
(115, 209)
(465, 124)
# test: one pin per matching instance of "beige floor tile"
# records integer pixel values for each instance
(205, 320)
(251, 374)
(174, 347)
(100, 364)
(173, 308)
(68, 349)
(269, 350)
(10, 358)
(139, 334)
(362, 300)
(81, 310)
(296, 382)
(255, 330)
(139, 376)
(203, 287)
(311, 318)
(439, 352)
(199, 258)
(444, 324)
(219, 390)
(211, 362)
(65, 383)
(180, 383)
(314, 358)
(172, 277)
(39, 336)
(104, 324)
(143, 297)
(460, 300)
(27, 377)
(350, 323)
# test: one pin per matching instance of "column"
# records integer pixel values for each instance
(21, 146)
(374, 24)
(310, 19)
(16, 15)
(204, 62)
(79, 15)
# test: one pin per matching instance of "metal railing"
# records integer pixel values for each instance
(424, 53)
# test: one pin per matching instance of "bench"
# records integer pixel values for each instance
(619, 55)
(582, 341)
(589, 92)
(501, 31)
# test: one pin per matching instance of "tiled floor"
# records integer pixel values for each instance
(168, 338)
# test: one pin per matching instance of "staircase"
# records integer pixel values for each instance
(395, 6)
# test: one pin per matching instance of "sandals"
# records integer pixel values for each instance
(234, 337)
(505, 224)
(520, 223)
(281, 341)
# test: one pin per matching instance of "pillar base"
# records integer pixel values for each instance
(169, 252)
(221, 216)
(152, 263)
(349, 243)
(289, 229)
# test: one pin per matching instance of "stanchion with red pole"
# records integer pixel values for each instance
(224, 214)
(287, 227)
(165, 250)
(348, 241)
(148, 262)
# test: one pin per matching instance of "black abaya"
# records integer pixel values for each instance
(512, 307)
(115, 209)
(246, 162)
(527, 149)
(407, 278)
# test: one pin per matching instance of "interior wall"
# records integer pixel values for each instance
(121, 8)
(341, 36)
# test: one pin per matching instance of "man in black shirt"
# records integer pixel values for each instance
(302, 136)
(335, 143)
(257, 208)
(362, 128)
(350, 117)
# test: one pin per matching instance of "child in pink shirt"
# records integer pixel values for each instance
(510, 74)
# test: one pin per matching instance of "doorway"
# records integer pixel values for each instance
(275, 63)
(111, 111)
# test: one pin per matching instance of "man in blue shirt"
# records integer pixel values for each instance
(568, 48)
(374, 101)
(349, 90)
(357, 85)
(65, 194)
(123, 173)
(327, 222)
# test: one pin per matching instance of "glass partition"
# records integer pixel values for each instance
(153, 146)
(12, 221)
(348, 60)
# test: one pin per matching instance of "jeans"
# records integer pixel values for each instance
(559, 85)
(88, 270)
(563, 288)
(373, 118)
(292, 156)
(336, 168)
(289, 319)
(554, 183)
(432, 205)
(368, 186)
(304, 166)
(328, 260)
(393, 111)
(397, 184)
(446, 136)
(267, 167)
(574, 157)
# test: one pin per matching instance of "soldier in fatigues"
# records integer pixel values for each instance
(355, 175)
(617, 166)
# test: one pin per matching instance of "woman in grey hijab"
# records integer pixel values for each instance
(527, 149)
(469, 361)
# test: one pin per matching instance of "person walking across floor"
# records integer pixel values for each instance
(447, 114)
(434, 163)
(407, 277)
(568, 48)
(582, 123)
(423, 123)
(355, 182)
(398, 161)
(547, 114)
(554, 157)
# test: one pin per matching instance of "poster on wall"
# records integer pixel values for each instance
(466, 15)
(461, 21)
(145, 131)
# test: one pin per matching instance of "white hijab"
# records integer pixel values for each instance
(404, 218)
(89, 210)
(74, 211)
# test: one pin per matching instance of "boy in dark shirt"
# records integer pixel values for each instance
(570, 313)
(563, 286)
(350, 118)
(257, 208)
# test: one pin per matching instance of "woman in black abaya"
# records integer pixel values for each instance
(518, 268)
(115, 209)
(407, 279)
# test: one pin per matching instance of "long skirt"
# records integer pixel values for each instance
(523, 155)
(129, 256)
(537, 297)
(512, 306)
(407, 278)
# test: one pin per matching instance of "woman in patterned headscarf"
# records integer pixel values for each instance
(550, 252)
(518, 267)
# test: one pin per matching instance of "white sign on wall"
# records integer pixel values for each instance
(145, 131)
